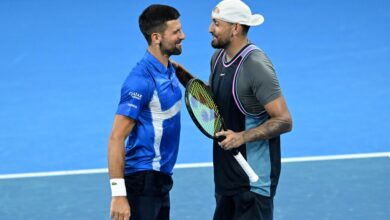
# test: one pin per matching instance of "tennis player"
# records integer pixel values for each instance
(251, 102)
(248, 93)
(149, 116)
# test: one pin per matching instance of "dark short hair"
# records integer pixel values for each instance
(245, 28)
(153, 19)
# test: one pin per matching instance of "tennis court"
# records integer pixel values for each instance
(62, 64)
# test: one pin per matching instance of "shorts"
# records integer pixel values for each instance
(245, 205)
(148, 195)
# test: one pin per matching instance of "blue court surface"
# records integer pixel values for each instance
(62, 64)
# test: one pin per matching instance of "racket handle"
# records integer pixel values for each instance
(221, 138)
(245, 166)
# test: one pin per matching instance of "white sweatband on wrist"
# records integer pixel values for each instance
(118, 187)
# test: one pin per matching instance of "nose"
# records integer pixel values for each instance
(211, 27)
(182, 36)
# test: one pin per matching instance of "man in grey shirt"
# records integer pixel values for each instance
(250, 100)
(247, 91)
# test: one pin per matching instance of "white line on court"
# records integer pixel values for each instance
(195, 165)
(335, 157)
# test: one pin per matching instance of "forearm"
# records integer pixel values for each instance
(271, 128)
(116, 158)
(116, 145)
(119, 204)
(183, 75)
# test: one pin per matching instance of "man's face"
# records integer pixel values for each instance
(221, 32)
(171, 38)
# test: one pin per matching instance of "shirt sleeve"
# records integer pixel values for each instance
(135, 94)
(260, 72)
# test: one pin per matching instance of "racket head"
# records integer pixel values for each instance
(203, 110)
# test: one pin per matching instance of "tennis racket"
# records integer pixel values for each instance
(204, 112)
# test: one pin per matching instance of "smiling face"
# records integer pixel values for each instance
(171, 38)
(222, 33)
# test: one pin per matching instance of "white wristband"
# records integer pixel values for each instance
(118, 187)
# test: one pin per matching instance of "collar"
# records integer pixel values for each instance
(157, 65)
(238, 54)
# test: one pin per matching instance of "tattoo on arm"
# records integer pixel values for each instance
(271, 128)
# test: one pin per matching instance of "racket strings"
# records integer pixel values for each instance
(204, 109)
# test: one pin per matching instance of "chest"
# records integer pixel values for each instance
(166, 94)
(221, 85)
(223, 77)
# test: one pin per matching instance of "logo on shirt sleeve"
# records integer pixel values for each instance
(135, 95)
(132, 106)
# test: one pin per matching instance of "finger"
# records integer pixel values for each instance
(221, 144)
(220, 133)
(227, 132)
(224, 144)
(114, 214)
(125, 216)
(226, 147)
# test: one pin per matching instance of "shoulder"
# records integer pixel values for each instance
(138, 80)
(141, 73)
(260, 59)
(215, 55)
(257, 64)
(216, 52)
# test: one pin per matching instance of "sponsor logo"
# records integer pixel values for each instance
(216, 10)
(135, 95)
(132, 106)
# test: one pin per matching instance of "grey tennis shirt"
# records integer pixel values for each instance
(257, 84)
(242, 87)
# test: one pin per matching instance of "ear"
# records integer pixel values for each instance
(236, 29)
(156, 38)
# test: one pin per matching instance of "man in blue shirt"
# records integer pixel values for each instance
(148, 116)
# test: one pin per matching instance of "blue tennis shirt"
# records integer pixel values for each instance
(151, 96)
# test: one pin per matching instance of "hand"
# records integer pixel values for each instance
(232, 139)
(175, 64)
(182, 74)
(120, 208)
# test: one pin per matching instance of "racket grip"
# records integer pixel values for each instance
(246, 167)
(221, 138)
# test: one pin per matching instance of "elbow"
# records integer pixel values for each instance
(115, 138)
(289, 123)
(291, 126)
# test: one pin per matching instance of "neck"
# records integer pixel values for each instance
(235, 46)
(156, 52)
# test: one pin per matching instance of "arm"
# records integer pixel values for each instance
(280, 122)
(182, 74)
(116, 156)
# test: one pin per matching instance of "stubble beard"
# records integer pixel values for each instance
(174, 51)
(219, 44)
